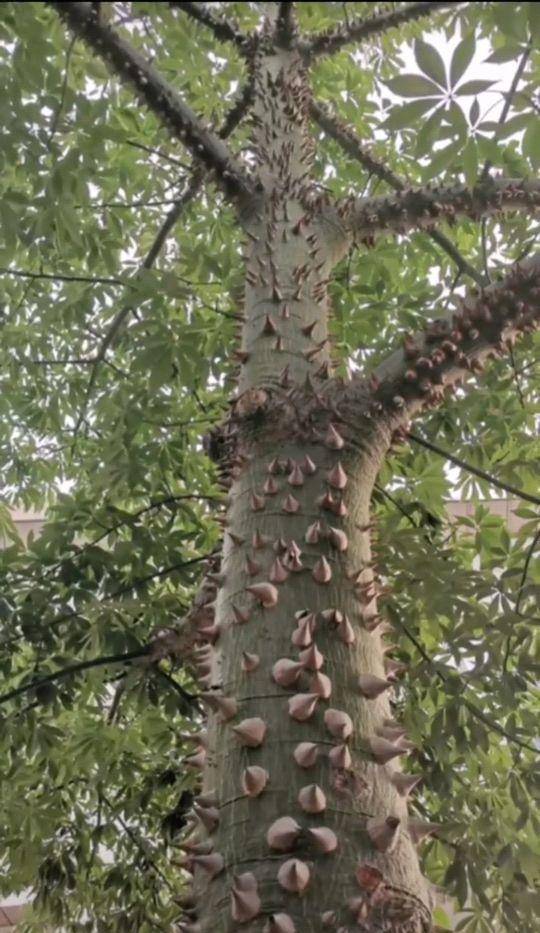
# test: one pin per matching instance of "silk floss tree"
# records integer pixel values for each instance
(303, 817)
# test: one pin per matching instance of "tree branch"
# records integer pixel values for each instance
(132, 517)
(226, 30)
(74, 669)
(60, 277)
(161, 98)
(192, 612)
(530, 553)
(140, 845)
(188, 700)
(193, 187)
(457, 344)
(286, 24)
(334, 39)
(115, 326)
(508, 102)
(491, 724)
(457, 461)
(421, 208)
(346, 137)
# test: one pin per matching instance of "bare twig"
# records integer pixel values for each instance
(61, 277)
(159, 152)
(530, 553)
(138, 843)
(508, 102)
(476, 471)
(58, 112)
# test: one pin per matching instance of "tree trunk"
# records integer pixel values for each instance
(297, 533)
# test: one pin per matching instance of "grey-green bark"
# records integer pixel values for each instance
(289, 407)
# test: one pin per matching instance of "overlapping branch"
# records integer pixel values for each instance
(160, 97)
(458, 344)
(334, 39)
(226, 30)
(421, 208)
(346, 137)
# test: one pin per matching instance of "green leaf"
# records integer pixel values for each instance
(428, 132)
(474, 112)
(510, 21)
(488, 148)
(462, 57)
(506, 53)
(409, 85)
(533, 14)
(442, 919)
(430, 62)
(441, 160)
(455, 116)
(470, 162)
(408, 114)
(473, 87)
(531, 142)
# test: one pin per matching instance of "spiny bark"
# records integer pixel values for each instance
(419, 208)
(300, 654)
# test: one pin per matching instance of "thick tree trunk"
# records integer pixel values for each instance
(297, 585)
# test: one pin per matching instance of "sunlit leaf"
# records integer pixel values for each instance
(430, 62)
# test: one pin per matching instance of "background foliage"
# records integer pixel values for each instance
(92, 784)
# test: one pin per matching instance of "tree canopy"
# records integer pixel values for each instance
(122, 279)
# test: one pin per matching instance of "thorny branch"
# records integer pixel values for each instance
(334, 39)
(286, 23)
(226, 30)
(162, 99)
(419, 208)
(346, 137)
(457, 344)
